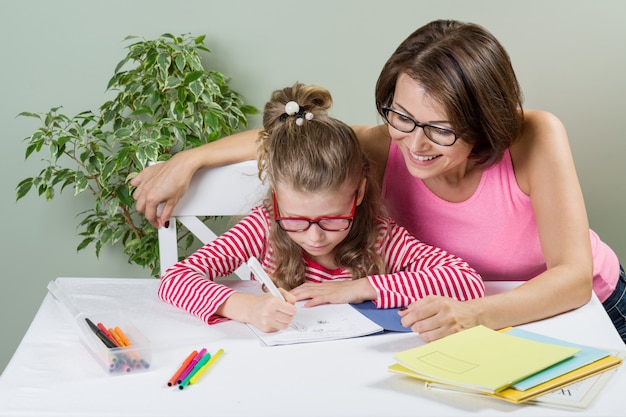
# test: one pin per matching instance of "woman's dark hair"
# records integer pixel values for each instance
(467, 71)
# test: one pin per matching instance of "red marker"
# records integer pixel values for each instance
(107, 334)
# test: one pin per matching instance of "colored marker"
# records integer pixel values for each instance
(174, 379)
(106, 332)
(123, 366)
(196, 368)
(206, 366)
(108, 343)
(123, 336)
(117, 337)
(193, 363)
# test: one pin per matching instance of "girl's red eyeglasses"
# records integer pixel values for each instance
(300, 224)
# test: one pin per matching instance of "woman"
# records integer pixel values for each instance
(463, 168)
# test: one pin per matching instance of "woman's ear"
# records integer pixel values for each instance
(361, 191)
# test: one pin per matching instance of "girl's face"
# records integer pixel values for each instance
(324, 207)
(424, 158)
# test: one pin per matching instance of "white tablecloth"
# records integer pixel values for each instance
(52, 373)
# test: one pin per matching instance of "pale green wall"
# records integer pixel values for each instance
(570, 57)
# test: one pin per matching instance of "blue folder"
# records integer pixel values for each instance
(586, 355)
(387, 318)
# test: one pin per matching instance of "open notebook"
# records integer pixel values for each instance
(321, 323)
(314, 324)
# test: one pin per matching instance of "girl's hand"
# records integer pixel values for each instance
(270, 314)
(435, 316)
(266, 312)
(336, 292)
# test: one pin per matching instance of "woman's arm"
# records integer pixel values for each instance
(544, 170)
(166, 182)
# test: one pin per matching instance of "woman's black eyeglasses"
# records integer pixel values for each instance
(442, 136)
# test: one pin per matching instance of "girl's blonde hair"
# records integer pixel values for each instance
(320, 154)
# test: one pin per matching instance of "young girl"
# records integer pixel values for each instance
(320, 234)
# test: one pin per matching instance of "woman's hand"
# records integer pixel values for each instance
(336, 292)
(165, 182)
(435, 316)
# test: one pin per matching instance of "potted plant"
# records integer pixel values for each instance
(165, 102)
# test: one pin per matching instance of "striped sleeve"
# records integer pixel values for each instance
(190, 285)
(416, 270)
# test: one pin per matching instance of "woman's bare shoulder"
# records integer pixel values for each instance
(540, 125)
(542, 130)
(543, 138)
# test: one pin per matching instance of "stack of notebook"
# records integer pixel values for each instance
(513, 365)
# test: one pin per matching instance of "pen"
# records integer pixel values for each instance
(174, 379)
(260, 274)
(193, 363)
(196, 368)
(108, 343)
(206, 366)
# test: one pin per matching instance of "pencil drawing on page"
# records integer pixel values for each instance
(319, 323)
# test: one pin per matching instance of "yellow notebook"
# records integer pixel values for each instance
(481, 359)
(515, 396)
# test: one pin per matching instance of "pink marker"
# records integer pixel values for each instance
(193, 363)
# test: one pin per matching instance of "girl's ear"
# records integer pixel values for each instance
(361, 191)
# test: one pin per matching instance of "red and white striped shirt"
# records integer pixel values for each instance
(414, 269)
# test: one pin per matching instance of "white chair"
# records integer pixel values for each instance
(229, 190)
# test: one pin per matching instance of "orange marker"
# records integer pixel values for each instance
(117, 337)
(121, 334)
(182, 368)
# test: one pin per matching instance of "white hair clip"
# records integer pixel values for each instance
(308, 115)
(292, 108)
(295, 110)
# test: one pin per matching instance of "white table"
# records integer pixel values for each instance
(52, 373)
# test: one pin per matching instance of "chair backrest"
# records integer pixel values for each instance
(229, 190)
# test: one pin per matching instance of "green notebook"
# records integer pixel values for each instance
(482, 359)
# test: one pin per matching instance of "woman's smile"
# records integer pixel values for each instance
(424, 158)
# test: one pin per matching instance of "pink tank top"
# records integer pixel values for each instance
(494, 230)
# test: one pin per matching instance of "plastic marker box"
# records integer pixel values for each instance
(116, 344)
